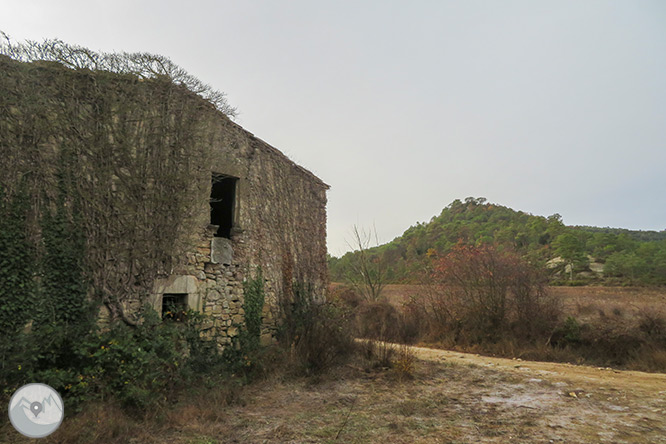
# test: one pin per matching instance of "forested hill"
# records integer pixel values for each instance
(625, 256)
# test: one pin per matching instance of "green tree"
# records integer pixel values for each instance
(572, 250)
(628, 265)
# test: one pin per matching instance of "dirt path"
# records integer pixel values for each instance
(638, 382)
(570, 403)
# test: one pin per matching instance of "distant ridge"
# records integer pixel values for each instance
(625, 256)
(639, 235)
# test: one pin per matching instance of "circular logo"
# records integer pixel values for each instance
(36, 410)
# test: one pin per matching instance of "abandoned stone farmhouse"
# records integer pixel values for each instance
(263, 211)
(179, 204)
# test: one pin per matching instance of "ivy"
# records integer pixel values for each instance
(63, 316)
(17, 288)
(62, 265)
(254, 304)
(113, 164)
(242, 358)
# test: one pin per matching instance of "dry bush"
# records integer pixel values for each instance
(610, 348)
(200, 411)
(319, 334)
(482, 294)
(404, 362)
(385, 355)
(378, 320)
(413, 323)
(427, 315)
(100, 422)
(383, 321)
(613, 341)
(653, 325)
(648, 358)
(378, 354)
(548, 353)
(344, 295)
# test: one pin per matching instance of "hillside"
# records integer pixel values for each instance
(609, 255)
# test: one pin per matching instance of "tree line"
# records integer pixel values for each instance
(572, 254)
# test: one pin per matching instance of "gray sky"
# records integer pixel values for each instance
(402, 107)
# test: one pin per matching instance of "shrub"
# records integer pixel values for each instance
(139, 366)
(378, 354)
(653, 325)
(378, 320)
(482, 294)
(569, 333)
(649, 358)
(404, 362)
(345, 295)
(318, 333)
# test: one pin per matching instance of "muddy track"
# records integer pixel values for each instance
(570, 403)
(648, 383)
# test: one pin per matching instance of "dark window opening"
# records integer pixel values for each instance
(222, 198)
(174, 306)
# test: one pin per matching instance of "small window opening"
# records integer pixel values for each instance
(222, 199)
(174, 306)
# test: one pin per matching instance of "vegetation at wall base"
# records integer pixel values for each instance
(317, 333)
(253, 305)
(243, 357)
(49, 322)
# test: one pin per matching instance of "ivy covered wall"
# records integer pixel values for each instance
(120, 166)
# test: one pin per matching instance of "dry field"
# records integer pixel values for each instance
(626, 302)
(450, 398)
(587, 302)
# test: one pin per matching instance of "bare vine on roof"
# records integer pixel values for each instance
(140, 64)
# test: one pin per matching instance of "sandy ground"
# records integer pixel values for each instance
(578, 403)
(636, 382)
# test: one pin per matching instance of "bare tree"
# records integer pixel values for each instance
(367, 270)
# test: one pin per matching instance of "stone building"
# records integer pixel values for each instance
(265, 211)
(252, 208)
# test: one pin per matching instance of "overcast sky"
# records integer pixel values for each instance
(402, 107)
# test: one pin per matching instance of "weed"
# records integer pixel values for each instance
(378, 354)
(404, 362)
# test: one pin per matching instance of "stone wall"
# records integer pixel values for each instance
(279, 226)
(119, 121)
